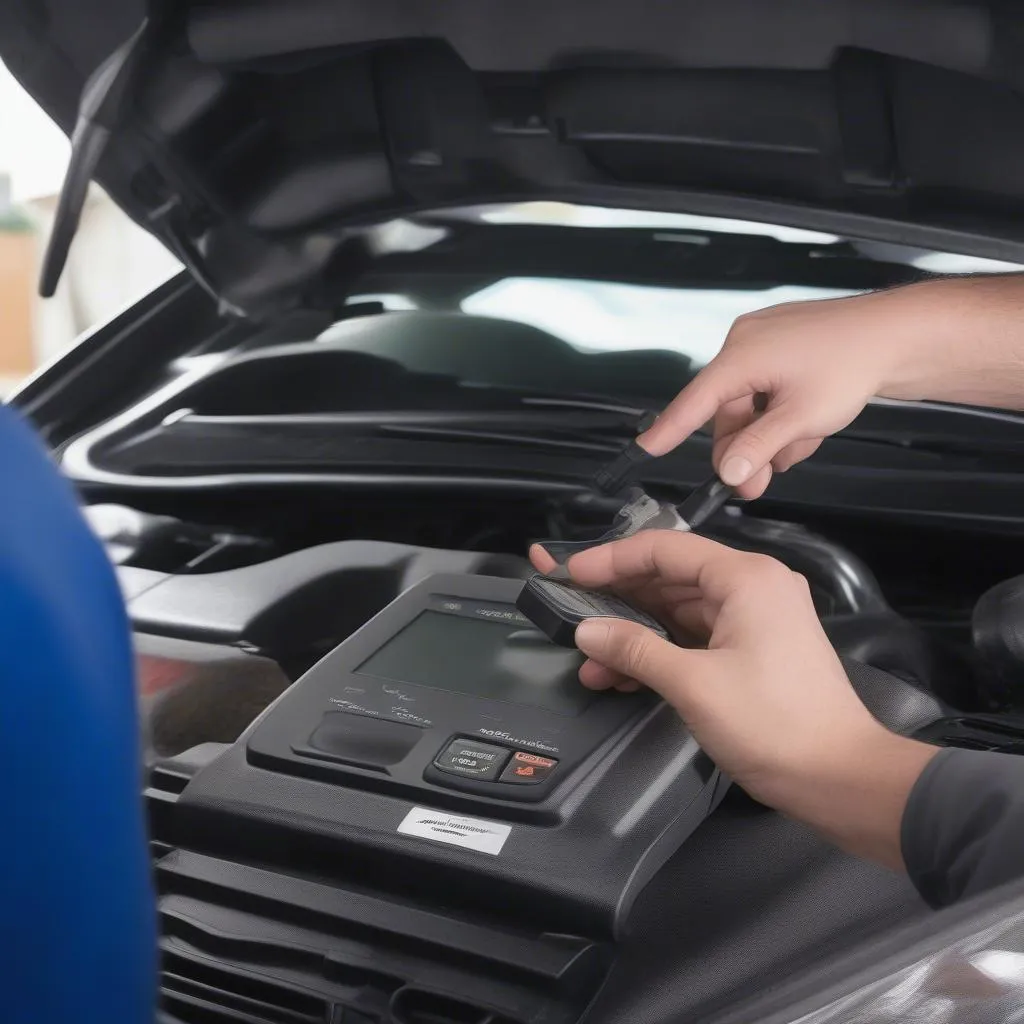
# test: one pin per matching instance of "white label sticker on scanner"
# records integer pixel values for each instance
(469, 833)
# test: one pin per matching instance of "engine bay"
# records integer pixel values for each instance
(332, 849)
(290, 575)
(231, 623)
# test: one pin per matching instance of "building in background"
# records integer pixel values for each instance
(112, 263)
(17, 256)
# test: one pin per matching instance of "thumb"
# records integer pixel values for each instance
(757, 444)
(637, 653)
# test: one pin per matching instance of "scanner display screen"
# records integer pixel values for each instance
(491, 652)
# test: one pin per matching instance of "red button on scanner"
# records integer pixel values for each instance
(527, 769)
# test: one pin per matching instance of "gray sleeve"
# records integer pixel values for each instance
(963, 827)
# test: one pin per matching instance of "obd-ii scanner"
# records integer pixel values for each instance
(443, 784)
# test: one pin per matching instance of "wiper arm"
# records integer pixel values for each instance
(99, 114)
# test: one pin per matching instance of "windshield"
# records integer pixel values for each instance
(603, 316)
(599, 282)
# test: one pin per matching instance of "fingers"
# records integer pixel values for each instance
(756, 485)
(672, 558)
(694, 406)
(597, 677)
(683, 575)
(680, 608)
(796, 452)
(541, 560)
(634, 652)
(754, 447)
(730, 419)
(775, 353)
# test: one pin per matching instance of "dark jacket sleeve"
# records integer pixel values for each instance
(963, 827)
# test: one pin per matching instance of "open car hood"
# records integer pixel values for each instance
(265, 141)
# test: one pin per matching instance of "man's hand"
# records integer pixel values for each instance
(790, 375)
(757, 683)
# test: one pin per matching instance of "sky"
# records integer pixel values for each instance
(33, 150)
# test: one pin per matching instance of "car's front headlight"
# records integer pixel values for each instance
(979, 980)
(962, 966)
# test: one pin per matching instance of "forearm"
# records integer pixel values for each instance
(957, 340)
(857, 800)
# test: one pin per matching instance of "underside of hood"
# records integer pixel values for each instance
(265, 140)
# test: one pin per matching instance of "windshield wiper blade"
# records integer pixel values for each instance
(583, 424)
(585, 402)
(571, 419)
(584, 428)
(614, 422)
(562, 440)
